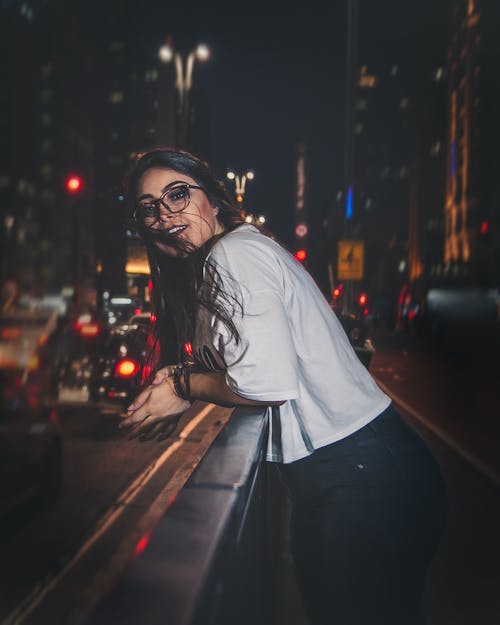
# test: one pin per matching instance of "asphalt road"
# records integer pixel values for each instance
(449, 394)
(48, 573)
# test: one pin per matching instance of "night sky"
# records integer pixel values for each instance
(277, 76)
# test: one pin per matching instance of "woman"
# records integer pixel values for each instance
(367, 497)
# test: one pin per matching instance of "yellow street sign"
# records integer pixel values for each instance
(351, 254)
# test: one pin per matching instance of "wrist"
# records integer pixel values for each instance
(180, 381)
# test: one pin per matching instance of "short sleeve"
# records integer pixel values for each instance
(263, 364)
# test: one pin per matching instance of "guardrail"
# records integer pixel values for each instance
(216, 557)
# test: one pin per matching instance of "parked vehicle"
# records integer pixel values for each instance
(122, 365)
(355, 321)
(80, 344)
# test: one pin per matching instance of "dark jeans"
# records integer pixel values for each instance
(368, 513)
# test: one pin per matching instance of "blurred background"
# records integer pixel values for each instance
(376, 124)
(362, 135)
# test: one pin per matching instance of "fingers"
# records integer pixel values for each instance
(139, 401)
(158, 427)
(161, 430)
(163, 373)
(154, 412)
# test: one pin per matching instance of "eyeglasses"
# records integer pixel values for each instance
(175, 199)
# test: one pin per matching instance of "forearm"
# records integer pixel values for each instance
(213, 388)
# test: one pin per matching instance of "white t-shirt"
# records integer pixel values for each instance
(292, 347)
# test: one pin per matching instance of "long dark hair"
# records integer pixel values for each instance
(176, 281)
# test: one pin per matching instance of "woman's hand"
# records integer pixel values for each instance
(163, 373)
(155, 411)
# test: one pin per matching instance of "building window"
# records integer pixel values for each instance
(46, 146)
(46, 120)
(45, 95)
(151, 75)
(366, 80)
(438, 74)
(46, 171)
(27, 11)
(436, 148)
(46, 70)
(116, 97)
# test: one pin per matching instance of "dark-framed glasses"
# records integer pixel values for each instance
(175, 199)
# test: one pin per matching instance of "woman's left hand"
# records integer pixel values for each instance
(155, 411)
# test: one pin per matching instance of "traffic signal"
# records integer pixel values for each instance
(337, 291)
(73, 184)
(363, 303)
(301, 255)
(362, 299)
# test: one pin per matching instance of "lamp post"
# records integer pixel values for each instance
(183, 82)
(240, 181)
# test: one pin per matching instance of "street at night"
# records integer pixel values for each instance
(239, 245)
(448, 400)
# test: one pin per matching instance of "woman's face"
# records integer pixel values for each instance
(176, 233)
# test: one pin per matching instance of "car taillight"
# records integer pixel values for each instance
(126, 368)
(10, 333)
(88, 330)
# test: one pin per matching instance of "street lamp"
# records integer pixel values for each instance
(240, 181)
(183, 79)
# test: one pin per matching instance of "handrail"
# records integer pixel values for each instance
(207, 560)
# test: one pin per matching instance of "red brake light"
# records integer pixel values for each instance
(89, 330)
(126, 367)
(10, 333)
(188, 348)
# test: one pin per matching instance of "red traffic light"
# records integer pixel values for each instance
(73, 184)
(301, 255)
(362, 299)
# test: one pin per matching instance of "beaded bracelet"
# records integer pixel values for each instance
(182, 392)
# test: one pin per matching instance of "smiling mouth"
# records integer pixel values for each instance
(175, 230)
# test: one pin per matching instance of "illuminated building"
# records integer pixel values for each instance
(462, 161)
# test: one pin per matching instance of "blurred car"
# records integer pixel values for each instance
(30, 445)
(118, 308)
(123, 364)
(356, 329)
(355, 321)
(79, 346)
